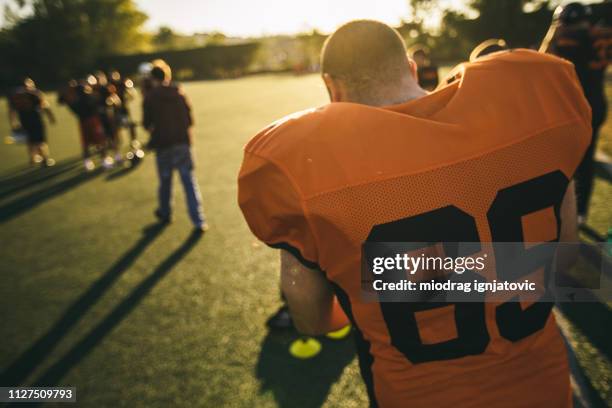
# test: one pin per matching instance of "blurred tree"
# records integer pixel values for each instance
(522, 23)
(60, 38)
(420, 9)
(510, 20)
(165, 39)
(216, 38)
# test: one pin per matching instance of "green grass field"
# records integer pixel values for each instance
(95, 296)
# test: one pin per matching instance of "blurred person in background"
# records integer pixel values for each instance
(144, 76)
(167, 116)
(26, 107)
(427, 71)
(107, 103)
(124, 88)
(574, 37)
(79, 97)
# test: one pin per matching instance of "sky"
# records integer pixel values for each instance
(258, 17)
(262, 17)
(251, 18)
(246, 18)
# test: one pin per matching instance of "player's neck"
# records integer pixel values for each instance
(395, 96)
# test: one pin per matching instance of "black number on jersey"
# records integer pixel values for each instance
(450, 225)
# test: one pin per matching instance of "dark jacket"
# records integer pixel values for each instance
(167, 114)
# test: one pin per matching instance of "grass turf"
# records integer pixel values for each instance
(96, 297)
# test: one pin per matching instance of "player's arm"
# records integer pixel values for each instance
(188, 110)
(147, 119)
(309, 295)
(44, 104)
(12, 114)
(275, 214)
(12, 117)
(568, 254)
(189, 117)
(50, 115)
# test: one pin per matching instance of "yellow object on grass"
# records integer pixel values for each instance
(305, 348)
(340, 334)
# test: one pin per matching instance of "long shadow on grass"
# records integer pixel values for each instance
(594, 320)
(25, 364)
(591, 233)
(586, 395)
(124, 171)
(16, 171)
(603, 170)
(29, 201)
(22, 181)
(301, 383)
(53, 375)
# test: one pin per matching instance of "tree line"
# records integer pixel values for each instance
(54, 40)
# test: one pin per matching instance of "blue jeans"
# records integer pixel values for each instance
(179, 157)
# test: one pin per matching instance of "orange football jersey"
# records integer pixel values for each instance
(468, 162)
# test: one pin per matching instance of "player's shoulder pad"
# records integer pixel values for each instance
(286, 131)
(520, 56)
(533, 67)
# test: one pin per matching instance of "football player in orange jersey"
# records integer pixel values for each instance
(478, 160)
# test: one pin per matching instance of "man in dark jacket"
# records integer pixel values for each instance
(167, 116)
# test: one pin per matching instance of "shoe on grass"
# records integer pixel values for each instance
(162, 218)
(281, 320)
(200, 229)
(89, 164)
(108, 163)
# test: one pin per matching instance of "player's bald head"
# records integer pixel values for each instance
(366, 55)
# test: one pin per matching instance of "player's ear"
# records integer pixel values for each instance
(413, 67)
(335, 88)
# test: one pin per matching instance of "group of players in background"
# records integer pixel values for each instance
(101, 104)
